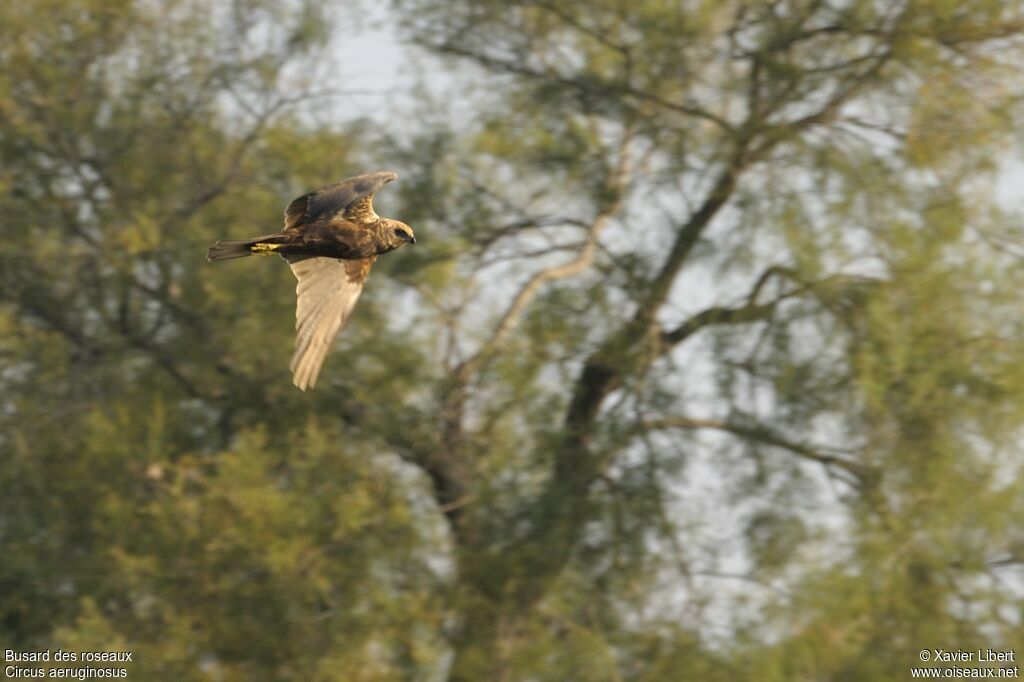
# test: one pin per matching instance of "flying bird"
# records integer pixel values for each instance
(331, 238)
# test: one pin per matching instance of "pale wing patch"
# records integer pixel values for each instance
(327, 292)
(361, 211)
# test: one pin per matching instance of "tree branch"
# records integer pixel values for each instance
(720, 315)
(758, 433)
(584, 258)
(610, 91)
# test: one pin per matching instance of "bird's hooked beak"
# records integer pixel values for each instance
(411, 239)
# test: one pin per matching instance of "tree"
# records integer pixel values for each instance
(164, 491)
(820, 163)
(705, 365)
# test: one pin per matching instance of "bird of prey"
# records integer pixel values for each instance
(331, 238)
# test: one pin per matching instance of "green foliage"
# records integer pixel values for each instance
(164, 492)
(706, 366)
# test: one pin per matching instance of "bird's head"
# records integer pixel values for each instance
(396, 233)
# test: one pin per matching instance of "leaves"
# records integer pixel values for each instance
(706, 366)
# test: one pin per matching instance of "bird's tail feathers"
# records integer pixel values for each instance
(226, 249)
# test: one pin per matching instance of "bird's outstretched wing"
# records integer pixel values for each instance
(327, 292)
(353, 196)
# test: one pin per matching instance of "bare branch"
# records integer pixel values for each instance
(761, 434)
(585, 257)
(689, 234)
(823, 290)
(529, 290)
(719, 315)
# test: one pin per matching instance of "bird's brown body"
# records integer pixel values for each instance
(331, 238)
(334, 237)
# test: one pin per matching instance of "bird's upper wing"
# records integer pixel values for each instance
(327, 292)
(353, 196)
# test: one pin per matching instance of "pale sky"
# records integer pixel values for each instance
(379, 68)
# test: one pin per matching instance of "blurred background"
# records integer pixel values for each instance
(707, 364)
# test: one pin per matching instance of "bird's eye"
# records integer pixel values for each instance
(399, 232)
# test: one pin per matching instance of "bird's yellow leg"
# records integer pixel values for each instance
(265, 249)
